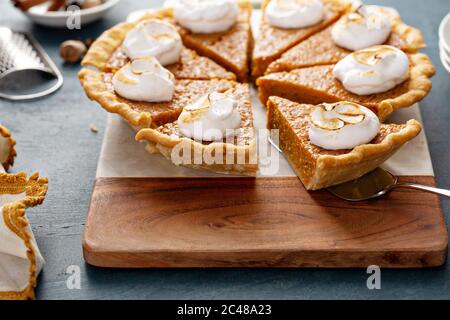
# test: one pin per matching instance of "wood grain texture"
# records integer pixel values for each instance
(264, 222)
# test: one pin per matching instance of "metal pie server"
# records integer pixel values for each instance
(373, 185)
(376, 184)
(26, 71)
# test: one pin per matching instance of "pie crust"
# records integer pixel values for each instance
(272, 42)
(7, 148)
(317, 84)
(106, 55)
(320, 48)
(319, 168)
(98, 87)
(166, 138)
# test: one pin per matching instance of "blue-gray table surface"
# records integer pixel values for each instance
(54, 138)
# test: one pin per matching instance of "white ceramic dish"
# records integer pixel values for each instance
(442, 48)
(58, 19)
(445, 60)
(444, 34)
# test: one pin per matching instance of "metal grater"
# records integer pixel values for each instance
(20, 54)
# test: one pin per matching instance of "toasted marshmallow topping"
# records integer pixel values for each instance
(211, 118)
(206, 16)
(373, 70)
(343, 125)
(144, 80)
(154, 38)
(362, 29)
(294, 14)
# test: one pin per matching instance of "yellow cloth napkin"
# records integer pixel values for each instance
(20, 259)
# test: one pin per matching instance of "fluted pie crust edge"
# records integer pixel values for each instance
(164, 144)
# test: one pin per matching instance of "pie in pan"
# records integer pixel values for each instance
(320, 168)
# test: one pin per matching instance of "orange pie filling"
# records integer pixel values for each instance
(273, 41)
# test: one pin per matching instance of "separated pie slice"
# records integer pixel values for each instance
(7, 149)
(321, 49)
(318, 167)
(273, 41)
(209, 146)
(107, 54)
(98, 87)
(317, 84)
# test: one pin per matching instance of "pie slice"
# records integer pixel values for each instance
(98, 87)
(231, 49)
(7, 149)
(320, 49)
(317, 84)
(230, 156)
(318, 168)
(107, 55)
(272, 42)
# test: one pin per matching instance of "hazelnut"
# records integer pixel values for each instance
(72, 51)
(88, 42)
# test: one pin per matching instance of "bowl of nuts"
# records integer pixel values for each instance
(71, 14)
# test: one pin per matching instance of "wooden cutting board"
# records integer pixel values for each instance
(263, 222)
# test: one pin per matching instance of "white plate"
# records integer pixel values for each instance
(445, 60)
(442, 48)
(444, 53)
(58, 19)
(444, 34)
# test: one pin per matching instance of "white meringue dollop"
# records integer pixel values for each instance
(206, 16)
(211, 118)
(362, 29)
(154, 38)
(294, 14)
(144, 80)
(343, 125)
(373, 70)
